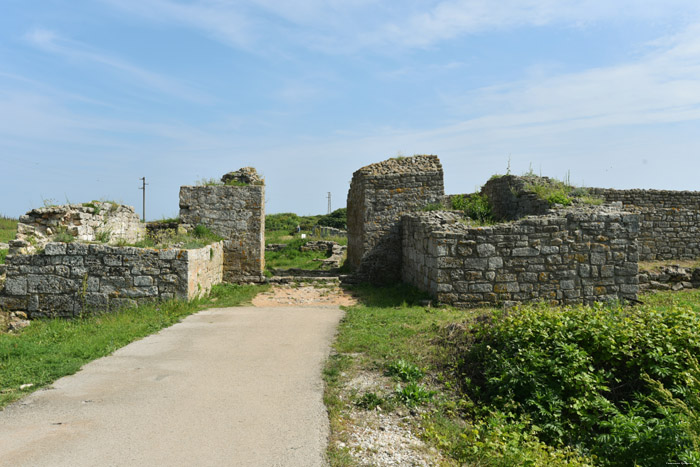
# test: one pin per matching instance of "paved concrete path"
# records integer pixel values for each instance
(230, 386)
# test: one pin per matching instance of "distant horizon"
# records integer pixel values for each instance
(96, 94)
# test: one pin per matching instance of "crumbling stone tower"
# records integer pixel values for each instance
(234, 210)
(379, 195)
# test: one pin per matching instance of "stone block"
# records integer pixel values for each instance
(16, 286)
(55, 249)
(140, 281)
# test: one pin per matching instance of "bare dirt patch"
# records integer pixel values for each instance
(318, 294)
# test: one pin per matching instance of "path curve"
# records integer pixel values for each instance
(230, 386)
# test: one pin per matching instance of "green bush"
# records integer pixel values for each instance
(589, 377)
(288, 221)
(337, 219)
(476, 206)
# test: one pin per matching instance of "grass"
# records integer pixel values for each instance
(291, 256)
(8, 229)
(557, 192)
(199, 237)
(50, 349)
(390, 333)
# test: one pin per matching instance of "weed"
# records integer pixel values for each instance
(413, 394)
(404, 371)
(103, 236)
(63, 235)
(3, 255)
(95, 208)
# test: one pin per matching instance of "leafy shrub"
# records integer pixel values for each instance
(288, 221)
(585, 377)
(476, 206)
(337, 219)
(558, 197)
(405, 371)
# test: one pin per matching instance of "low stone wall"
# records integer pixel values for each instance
(86, 222)
(671, 277)
(379, 195)
(324, 231)
(571, 257)
(670, 220)
(657, 199)
(236, 213)
(68, 279)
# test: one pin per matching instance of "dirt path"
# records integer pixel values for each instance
(305, 295)
(231, 386)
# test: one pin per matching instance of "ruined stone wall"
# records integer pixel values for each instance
(571, 257)
(670, 221)
(379, 195)
(236, 213)
(658, 199)
(87, 222)
(511, 200)
(67, 279)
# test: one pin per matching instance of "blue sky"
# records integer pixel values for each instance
(96, 94)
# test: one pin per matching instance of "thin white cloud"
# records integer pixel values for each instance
(663, 86)
(346, 26)
(52, 42)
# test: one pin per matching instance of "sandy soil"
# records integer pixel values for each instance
(306, 295)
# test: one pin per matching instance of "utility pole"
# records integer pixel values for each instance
(329, 202)
(143, 179)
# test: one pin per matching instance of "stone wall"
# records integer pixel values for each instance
(657, 199)
(510, 199)
(67, 279)
(325, 231)
(570, 257)
(379, 195)
(236, 213)
(670, 221)
(86, 222)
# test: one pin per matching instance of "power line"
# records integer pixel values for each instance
(143, 179)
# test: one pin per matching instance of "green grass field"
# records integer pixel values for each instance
(8, 229)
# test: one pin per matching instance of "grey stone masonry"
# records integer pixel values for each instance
(67, 279)
(574, 256)
(85, 222)
(510, 199)
(379, 195)
(670, 221)
(236, 213)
